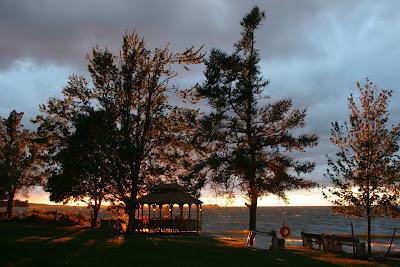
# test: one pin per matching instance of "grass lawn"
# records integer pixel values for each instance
(25, 244)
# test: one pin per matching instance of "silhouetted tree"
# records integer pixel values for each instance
(2, 160)
(18, 154)
(365, 172)
(87, 163)
(248, 134)
(133, 88)
(141, 81)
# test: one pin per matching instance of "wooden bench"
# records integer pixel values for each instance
(309, 239)
(335, 243)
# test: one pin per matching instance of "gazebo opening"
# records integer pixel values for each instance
(168, 208)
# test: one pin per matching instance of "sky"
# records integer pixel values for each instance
(311, 51)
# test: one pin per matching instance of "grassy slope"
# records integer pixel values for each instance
(23, 244)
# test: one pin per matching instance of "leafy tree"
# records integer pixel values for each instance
(141, 81)
(87, 163)
(248, 134)
(18, 153)
(365, 171)
(133, 89)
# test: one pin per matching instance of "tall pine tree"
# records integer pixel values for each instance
(248, 134)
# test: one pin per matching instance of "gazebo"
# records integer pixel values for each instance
(158, 211)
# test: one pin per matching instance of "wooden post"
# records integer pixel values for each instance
(391, 241)
(352, 239)
(190, 205)
(181, 215)
(148, 224)
(201, 216)
(197, 217)
(171, 223)
(160, 211)
(142, 211)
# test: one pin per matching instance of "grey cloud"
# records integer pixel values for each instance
(64, 31)
(312, 51)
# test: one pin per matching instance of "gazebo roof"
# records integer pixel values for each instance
(168, 194)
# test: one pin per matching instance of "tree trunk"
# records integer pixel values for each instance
(131, 222)
(369, 221)
(369, 235)
(96, 209)
(10, 203)
(132, 205)
(253, 215)
(252, 218)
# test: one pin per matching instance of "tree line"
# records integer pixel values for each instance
(114, 134)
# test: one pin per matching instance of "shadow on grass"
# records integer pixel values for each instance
(24, 244)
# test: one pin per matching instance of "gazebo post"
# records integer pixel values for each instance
(181, 211)
(201, 215)
(160, 205)
(181, 215)
(142, 210)
(148, 223)
(190, 205)
(149, 211)
(171, 223)
(197, 218)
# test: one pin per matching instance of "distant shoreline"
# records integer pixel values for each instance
(204, 205)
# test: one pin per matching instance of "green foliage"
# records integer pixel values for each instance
(364, 173)
(19, 169)
(55, 217)
(247, 133)
(87, 162)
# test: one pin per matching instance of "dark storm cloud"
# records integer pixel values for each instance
(312, 51)
(64, 31)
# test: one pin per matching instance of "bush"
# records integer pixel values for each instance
(65, 218)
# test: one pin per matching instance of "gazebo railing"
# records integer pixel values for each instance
(168, 225)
